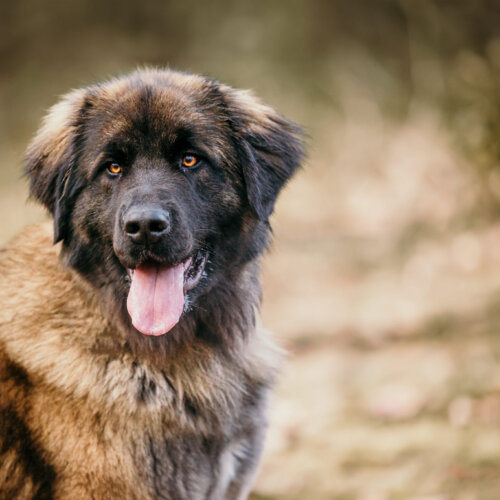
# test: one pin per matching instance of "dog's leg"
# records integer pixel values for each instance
(245, 456)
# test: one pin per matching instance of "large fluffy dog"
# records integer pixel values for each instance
(131, 360)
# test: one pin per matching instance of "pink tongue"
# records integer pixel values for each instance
(156, 298)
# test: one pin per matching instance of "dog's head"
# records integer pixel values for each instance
(161, 183)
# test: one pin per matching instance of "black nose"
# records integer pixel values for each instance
(146, 224)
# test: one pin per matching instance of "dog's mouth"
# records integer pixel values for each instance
(157, 292)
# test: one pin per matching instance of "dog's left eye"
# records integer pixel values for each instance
(190, 161)
(114, 168)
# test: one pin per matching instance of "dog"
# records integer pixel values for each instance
(132, 361)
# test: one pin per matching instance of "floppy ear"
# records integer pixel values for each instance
(51, 156)
(272, 149)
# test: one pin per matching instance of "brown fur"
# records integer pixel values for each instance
(82, 413)
(89, 408)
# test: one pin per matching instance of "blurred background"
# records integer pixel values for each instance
(384, 279)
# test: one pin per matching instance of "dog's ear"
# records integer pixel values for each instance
(51, 157)
(272, 148)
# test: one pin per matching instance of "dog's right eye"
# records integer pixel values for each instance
(190, 161)
(114, 169)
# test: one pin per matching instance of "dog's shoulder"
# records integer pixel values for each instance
(45, 312)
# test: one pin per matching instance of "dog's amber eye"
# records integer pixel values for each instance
(114, 168)
(190, 161)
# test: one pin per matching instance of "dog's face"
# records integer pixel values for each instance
(161, 185)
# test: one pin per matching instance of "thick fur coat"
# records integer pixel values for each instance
(93, 402)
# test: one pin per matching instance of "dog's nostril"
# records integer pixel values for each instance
(132, 227)
(158, 226)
